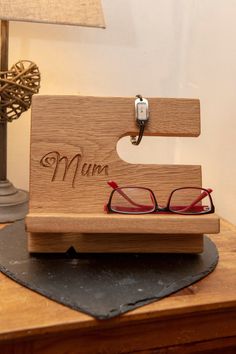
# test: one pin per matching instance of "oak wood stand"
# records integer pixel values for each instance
(74, 154)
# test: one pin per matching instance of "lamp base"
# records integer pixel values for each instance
(13, 202)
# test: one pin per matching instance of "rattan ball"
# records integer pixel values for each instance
(17, 86)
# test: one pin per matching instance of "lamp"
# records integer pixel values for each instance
(13, 201)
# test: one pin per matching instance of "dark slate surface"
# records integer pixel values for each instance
(103, 285)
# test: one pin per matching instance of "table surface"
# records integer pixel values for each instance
(204, 312)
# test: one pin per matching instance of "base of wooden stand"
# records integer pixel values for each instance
(124, 233)
(115, 243)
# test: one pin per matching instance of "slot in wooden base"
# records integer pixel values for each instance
(102, 243)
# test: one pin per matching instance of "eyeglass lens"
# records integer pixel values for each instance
(190, 201)
(132, 200)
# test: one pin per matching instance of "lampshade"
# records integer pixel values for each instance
(68, 12)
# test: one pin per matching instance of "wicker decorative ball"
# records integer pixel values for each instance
(17, 86)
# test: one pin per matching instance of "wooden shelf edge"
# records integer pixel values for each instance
(116, 223)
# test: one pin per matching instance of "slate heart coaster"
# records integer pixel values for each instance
(101, 285)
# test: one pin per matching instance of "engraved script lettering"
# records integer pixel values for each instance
(54, 160)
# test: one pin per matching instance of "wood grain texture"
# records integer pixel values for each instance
(98, 342)
(116, 243)
(197, 319)
(85, 131)
(73, 155)
(95, 232)
(72, 12)
(103, 223)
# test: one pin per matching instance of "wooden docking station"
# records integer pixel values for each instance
(73, 155)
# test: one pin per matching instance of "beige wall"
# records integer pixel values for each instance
(166, 48)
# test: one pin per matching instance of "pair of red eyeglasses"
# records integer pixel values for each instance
(141, 200)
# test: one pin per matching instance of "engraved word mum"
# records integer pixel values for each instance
(56, 162)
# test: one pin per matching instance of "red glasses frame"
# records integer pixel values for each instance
(156, 208)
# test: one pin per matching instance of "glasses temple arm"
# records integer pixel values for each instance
(198, 199)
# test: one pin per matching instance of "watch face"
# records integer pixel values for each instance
(142, 111)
